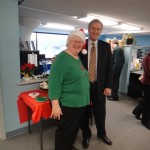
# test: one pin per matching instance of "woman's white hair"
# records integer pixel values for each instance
(75, 33)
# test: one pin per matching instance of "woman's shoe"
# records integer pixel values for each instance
(136, 116)
(147, 125)
(74, 148)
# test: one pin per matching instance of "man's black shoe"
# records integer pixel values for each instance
(112, 99)
(85, 143)
(109, 97)
(105, 140)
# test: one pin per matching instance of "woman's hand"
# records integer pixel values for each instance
(56, 110)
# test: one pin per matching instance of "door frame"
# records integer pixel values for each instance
(2, 125)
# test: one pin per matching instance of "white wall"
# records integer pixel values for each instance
(10, 64)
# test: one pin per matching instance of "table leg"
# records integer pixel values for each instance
(41, 129)
(29, 126)
(41, 134)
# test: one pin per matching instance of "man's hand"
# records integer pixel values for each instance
(107, 92)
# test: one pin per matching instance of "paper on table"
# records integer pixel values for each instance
(32, 58)
(34, 94)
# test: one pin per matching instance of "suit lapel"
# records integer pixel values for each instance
(99, 54)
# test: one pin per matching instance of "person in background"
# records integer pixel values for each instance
(108, 40)
(68, 85)
(137, 111)
(118, 62)
(146, 89)
(100, 81)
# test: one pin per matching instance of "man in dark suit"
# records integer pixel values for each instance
(118, 60)
(100, 87)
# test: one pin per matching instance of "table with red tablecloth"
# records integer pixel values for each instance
(29, 108)
(39, 109)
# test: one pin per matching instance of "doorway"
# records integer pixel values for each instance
(2, 126)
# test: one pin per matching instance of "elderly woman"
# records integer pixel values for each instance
(68, 91)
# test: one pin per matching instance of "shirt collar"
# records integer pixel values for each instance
(93, 42)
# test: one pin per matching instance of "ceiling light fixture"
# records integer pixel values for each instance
(105, 21)
(109, 22)
(127, 27)
(59, 26)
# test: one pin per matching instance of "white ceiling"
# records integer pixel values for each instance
(135, 12)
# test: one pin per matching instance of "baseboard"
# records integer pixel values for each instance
(20, 131)
(45, 124)
(125, 94)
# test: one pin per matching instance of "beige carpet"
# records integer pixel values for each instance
(122, 128)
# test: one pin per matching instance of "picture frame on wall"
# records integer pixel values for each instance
(22, 45)
(33, 45)
(28, 44)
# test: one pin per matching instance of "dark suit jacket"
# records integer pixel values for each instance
(104, 66)
(118, 58)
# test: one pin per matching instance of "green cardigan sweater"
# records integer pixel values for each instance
(68, 81)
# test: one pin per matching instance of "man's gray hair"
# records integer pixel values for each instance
(95, 21)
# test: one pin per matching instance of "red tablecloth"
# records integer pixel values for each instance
(39, 109)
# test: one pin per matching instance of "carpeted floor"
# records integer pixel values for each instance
(122, 128)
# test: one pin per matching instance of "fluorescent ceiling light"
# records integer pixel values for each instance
(127, 27)
(109, 22)
(59, 26)
(105, 21)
